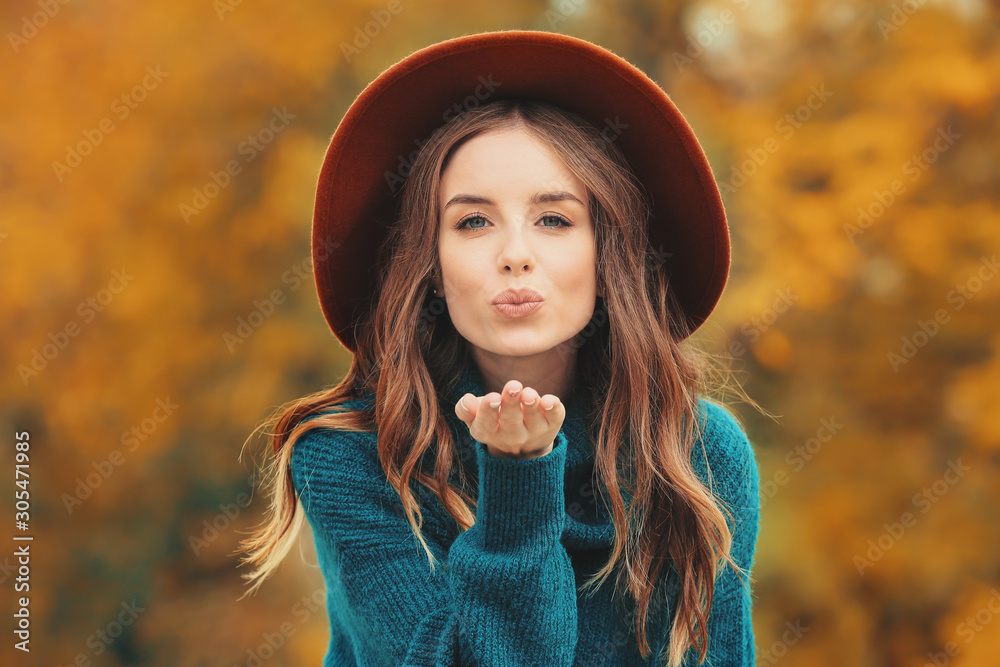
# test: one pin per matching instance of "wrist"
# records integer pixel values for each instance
(541, 453)
(500, 454)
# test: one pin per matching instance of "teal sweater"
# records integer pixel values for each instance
(504, 591)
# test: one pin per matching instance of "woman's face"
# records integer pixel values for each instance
(513, 216)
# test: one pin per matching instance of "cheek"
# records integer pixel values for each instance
(575, 267)
(461, 270)
(574, 276)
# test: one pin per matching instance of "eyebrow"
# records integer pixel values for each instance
(537, 198)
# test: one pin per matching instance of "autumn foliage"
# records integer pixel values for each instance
(158, 164)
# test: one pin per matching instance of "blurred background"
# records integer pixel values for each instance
(157, 174)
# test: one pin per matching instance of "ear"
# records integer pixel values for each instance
(436, 284)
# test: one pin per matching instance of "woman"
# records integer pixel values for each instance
(520, 419)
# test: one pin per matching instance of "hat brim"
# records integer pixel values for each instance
(371, 150)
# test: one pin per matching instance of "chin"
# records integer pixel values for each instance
(520, 345)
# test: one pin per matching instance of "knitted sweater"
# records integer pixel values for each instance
(504, 591)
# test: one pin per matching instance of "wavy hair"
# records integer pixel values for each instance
(409, 355)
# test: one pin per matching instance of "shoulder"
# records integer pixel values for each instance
(724, 457)
(337, 475)
(325, 458)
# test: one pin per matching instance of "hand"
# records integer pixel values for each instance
(519, 427)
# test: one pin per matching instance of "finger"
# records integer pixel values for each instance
(534, 419)
(488, 416)
(465, 413)
(552, 409)
(511, 417)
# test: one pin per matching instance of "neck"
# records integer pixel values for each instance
(550, 372)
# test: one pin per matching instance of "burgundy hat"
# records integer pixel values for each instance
(380, 135)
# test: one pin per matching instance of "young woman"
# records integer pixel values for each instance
(514, 234)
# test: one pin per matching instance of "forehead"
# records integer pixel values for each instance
(509, 157)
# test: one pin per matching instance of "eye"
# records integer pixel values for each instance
(557, 218)
(462, 224)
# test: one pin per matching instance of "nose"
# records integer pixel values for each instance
(515, 256)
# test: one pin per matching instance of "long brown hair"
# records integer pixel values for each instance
(409, 354)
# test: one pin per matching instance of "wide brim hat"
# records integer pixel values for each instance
(379, 136)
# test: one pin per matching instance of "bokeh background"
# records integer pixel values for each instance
(856, 144)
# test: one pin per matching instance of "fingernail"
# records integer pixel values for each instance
(462, 403)
(495, 405)
(551, 406)
(532, 401)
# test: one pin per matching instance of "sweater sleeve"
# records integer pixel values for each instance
(736, 482)
(503, 592)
